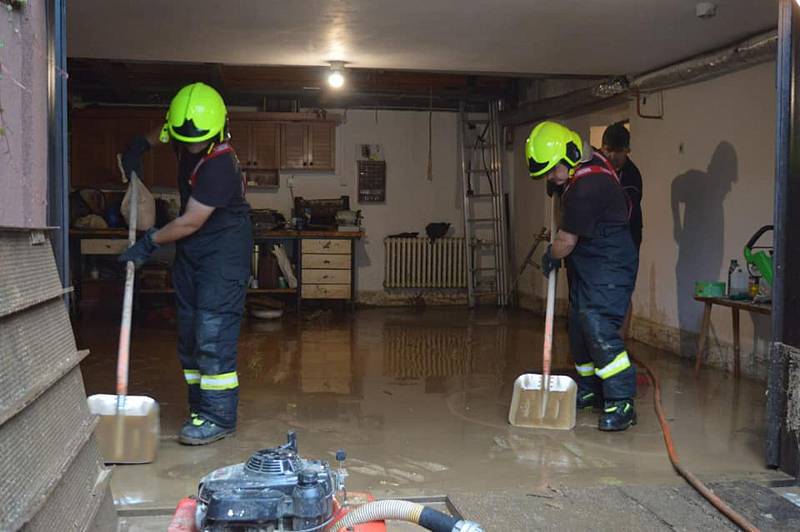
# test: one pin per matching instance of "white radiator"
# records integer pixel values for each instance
(420, 263)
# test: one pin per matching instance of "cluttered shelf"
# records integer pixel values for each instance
(313, 250)
(257, 234)
(249, 290)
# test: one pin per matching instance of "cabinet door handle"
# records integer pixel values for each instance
(305, 163)
(311, 163)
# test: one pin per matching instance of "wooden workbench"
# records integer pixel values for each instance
(735, 305)
(114, 241)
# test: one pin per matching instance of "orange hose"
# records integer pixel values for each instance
(738, 519)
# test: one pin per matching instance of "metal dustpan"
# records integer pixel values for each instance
(545, 401)
(128, 429)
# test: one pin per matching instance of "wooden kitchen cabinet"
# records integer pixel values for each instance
(165, 167)
(322, 146)
(265, 145)
(308, 146)
(326, 268)
(240, 139)
(92, 159)
(263, 142)
(294, 151)
(97, 136)
(257, 143)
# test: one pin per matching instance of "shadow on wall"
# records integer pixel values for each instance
(699, 233)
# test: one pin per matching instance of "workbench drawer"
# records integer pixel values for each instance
(326, 262)
(103, 246)
(326, 291)
(326, 276)
(325, 245)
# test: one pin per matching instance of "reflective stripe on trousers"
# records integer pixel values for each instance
(223, 381)
(585, 370)
(192, 376)
(620, 363)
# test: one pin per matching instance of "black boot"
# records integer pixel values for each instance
(617, 415)
(588, 399)
(200, 431)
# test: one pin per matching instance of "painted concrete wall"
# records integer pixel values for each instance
(709, 183)
(23, 117)
(412, 201)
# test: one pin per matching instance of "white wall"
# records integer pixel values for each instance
(714, 154)
(728, 120)
(411, 200)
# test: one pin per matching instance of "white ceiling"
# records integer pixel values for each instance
(499, 36)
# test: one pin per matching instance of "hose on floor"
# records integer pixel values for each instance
(738, 519)
(418, 514)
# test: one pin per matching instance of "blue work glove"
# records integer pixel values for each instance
(141, 250)
(549, 263)
(132, 157)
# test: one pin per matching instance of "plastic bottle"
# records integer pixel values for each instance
(738, 281)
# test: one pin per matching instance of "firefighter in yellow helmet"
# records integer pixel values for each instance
(213, 238)
(595, 240)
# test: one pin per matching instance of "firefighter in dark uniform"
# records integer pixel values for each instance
(214, 241)
(616, 148)
(602, 260)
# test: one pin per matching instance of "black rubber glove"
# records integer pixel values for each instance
(141, 250)
(132, 157)
(549, 263)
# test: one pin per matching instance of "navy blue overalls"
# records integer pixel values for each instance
(602, 271)
(210, 274)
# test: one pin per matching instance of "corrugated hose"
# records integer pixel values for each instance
(411, 512)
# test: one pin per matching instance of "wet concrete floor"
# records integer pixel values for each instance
(419, 398)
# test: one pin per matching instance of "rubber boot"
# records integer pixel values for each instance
(587, 399)
(617, 415)
(200, 431)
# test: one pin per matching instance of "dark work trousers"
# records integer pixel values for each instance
(210, 280)
(602, 273)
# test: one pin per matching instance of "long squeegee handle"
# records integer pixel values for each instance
(547, 351)
(123, 353)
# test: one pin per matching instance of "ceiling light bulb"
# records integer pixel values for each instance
(336, 79)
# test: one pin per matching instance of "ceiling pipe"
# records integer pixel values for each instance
(747, 53)
(744, 54)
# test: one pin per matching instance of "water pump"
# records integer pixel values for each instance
(274, 490)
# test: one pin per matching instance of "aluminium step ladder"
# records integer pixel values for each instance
(485, 226)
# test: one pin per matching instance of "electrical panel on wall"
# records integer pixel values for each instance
(371, 168)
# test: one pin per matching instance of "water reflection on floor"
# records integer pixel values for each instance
(419, 398)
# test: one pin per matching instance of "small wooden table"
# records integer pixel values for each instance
(735, 306)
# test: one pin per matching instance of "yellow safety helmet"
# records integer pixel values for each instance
(197, 113)
(549, 144)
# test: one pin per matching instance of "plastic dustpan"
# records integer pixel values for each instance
(545, 401)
